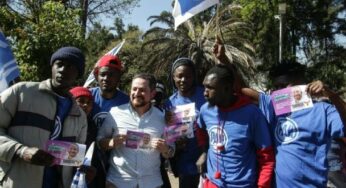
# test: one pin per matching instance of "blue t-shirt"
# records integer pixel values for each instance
(302, 140)
(333, 157)
(63, 107)
(51, 174)
(186, 163)
(241, 132)
(102, 106)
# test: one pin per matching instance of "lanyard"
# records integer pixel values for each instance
(219, 145)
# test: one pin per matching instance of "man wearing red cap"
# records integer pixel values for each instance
(85, 100)
(107, 73)
(107, 95)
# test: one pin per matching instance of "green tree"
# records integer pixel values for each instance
(36, 36)
(97, 41)
(90, 10)
(119, 27)
(265, 34)
(309, 33)
(195, 39)
(130, 55)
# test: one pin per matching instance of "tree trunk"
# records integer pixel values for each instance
(84, 15)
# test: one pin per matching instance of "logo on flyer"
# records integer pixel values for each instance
(286, 130)
(217, 135)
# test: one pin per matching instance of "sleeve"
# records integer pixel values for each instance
(200, 121)
(202, 137)
(8, 107)
(265, 153)
(107, 130)
(266, 106)
(334, 123)
(83, 134)
(201, 133)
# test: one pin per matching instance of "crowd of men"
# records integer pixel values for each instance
(237, 140)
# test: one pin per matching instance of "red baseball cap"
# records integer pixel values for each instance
(111, 61)
(81, 91)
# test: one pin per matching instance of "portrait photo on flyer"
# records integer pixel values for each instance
(291, 99)
(66, 153)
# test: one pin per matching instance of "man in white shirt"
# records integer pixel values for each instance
(133, 132)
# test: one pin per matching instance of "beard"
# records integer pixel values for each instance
(139, 102)
(211, 102)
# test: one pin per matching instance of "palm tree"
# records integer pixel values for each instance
(195, 39)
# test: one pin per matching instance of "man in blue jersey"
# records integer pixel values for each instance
(107, 72)
(107, 95)
(240, 151)
(302, 138)
(183, 77)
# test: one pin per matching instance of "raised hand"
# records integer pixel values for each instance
(318, 89)
(219, 49)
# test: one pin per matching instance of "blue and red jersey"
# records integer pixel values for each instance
(302, 140)
(247, 159)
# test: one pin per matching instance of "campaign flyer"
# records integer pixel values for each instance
(137, 140)
(66, 153)
(291, 99)
(181, 122)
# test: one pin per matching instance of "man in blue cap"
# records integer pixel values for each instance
(32, 113)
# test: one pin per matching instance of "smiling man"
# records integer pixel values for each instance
(186, 91)
(135, 166)
(32, 113)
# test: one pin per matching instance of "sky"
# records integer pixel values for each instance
(146, 8)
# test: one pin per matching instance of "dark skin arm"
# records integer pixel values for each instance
(36, 156)
(239, 84)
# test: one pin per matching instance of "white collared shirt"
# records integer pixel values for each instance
(133, 167)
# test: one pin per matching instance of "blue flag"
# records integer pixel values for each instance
(8, 66)
(185, 9)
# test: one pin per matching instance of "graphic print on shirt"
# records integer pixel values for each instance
(99, 118)
(57, 128)
(217, 135)
(286, 130)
